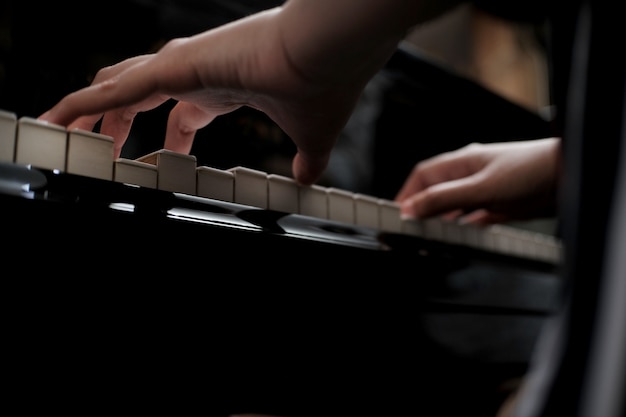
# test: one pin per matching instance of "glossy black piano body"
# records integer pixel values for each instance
(117, 292)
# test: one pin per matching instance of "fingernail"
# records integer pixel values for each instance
(407, 216)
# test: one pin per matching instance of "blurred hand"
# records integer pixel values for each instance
(485, 183)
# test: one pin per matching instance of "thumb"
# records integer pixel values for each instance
(307, 169)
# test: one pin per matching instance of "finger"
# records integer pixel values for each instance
(85, 122)
(462, 194)
(482, 217)
(444, 167)
(412, 184)
(88, 120)
(184, 120)
(453, 215)
(134, 84)
(308, 169)
(118, 123)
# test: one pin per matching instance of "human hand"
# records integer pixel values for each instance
(209, 75)
(485, 183)
(301, 65)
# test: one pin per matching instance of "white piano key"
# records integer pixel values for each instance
(390, 219)
(313, 201)
(282, 193)
(217, 184)
(340, 205)
(517, 245)
(514, 241)
(433, 228)
(473, 235)
(532, 248)
(525, 244)
(366, 211)
(41, 144)
(490, 238)
(498, 241)
(553, 251)
(547, 248)
(412, 227)
(544, 247)
(90, 154)
(8, 132)
(505, 241)
(250, 187)
(131, 171)
(176, 172)
(452, 231)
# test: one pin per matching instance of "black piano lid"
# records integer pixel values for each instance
(109, 278)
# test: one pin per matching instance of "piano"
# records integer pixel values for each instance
(175, 300)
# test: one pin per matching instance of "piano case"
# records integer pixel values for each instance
(120, 293)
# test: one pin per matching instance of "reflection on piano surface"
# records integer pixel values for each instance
(264, 303)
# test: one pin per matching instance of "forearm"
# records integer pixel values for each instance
(350, 36)
(308, 45)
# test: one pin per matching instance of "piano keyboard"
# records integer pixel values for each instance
(30, 142)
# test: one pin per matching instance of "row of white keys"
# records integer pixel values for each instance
(276, 192)
(50, 146)
(30, 141)
(525, 243)
(33, 142)
(494, 238)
